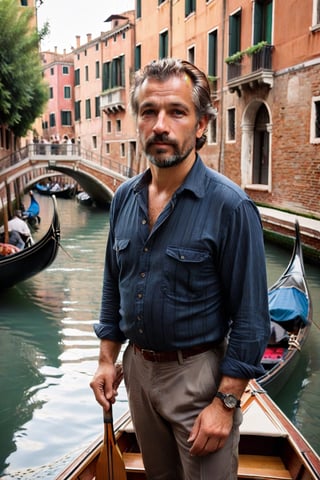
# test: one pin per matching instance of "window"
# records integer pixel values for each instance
(97, 69)
(138, 8)
(316, 13)
(24, 3)
(231, 130)
(163, 44)
(88, 108)
(97, 106)
(65, 70)
(66, 118)
(97, 47)
(86, 73)
(94, 142)
(107, 148)
(191, 55)
(51, 71)
(315, 120)
(161, 1)
(190, 7)
(77, 110)
(109, 126)
(113, 74)
(122, 150)
(137, 57)
(212, 131)
(262, 21)
(235, 33)
(212, 53)
(77, 76)
(67, 91)
(52, 120)
(118, 125)
(51, 92)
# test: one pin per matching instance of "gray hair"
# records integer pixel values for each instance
(165, 68)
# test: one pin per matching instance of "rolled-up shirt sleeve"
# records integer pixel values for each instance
(243, 273)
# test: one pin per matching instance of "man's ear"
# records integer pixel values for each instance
(202, 126)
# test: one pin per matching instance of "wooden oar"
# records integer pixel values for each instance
(110, 465)
(5, 222)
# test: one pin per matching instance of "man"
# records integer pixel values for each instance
(185, 282)
(19, 232)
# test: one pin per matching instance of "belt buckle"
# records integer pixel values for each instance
(149, 353)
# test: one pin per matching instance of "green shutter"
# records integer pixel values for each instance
(268, 25)
(258, 14)
(212, 54)
(123, 71)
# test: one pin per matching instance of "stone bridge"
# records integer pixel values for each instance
(98, 176)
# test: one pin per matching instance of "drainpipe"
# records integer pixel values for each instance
(101, 111)
(222, 66)
(170, 28)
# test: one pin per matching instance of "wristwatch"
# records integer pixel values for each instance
(229, 400)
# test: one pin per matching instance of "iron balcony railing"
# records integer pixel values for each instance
(260, 60)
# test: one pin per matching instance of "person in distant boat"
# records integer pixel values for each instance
(185, 283)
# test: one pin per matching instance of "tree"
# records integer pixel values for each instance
(23, 92)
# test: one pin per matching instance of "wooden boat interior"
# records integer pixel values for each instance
(270, 446)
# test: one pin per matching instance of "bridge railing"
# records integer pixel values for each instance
(49, 151)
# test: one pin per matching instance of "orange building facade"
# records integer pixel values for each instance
(57, 120)
(263, 61)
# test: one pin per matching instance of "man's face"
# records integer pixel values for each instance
(167, 121)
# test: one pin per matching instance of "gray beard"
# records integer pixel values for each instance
(169, 162)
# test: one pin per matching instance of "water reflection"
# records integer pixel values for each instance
(23, 356)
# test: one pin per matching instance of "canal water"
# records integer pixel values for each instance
(48, 352)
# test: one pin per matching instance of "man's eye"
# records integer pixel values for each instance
(177, 113)
(147, 113)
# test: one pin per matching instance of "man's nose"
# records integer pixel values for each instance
(161, 124)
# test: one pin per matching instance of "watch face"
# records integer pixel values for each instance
(230, 401)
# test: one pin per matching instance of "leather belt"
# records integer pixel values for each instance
(176, 355)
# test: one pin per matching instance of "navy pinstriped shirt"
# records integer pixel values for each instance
(197, 277)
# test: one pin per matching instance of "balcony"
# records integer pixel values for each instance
(251, 70)
(113, 101)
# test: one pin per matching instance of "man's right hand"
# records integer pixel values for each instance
(105, 383)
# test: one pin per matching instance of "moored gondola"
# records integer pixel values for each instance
(26, 263)
(291, 318)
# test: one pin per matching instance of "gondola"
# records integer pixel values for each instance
(270, 448)
(33, 259)
(64, 192)
(291, 318)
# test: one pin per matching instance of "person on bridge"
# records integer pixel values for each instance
(185, 283)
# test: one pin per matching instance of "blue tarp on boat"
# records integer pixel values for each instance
(288, 304)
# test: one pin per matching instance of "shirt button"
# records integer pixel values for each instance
(142, 274)
(146, 249)
(144, 221)
(140, 330)
(182, 257)
(140, 295)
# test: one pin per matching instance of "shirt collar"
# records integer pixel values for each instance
(195, 181)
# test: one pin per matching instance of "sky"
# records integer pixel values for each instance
(68, 18)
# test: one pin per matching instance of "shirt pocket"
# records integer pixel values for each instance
(187, 272)
(121, 248)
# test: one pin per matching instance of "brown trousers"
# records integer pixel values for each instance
(165, 399)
